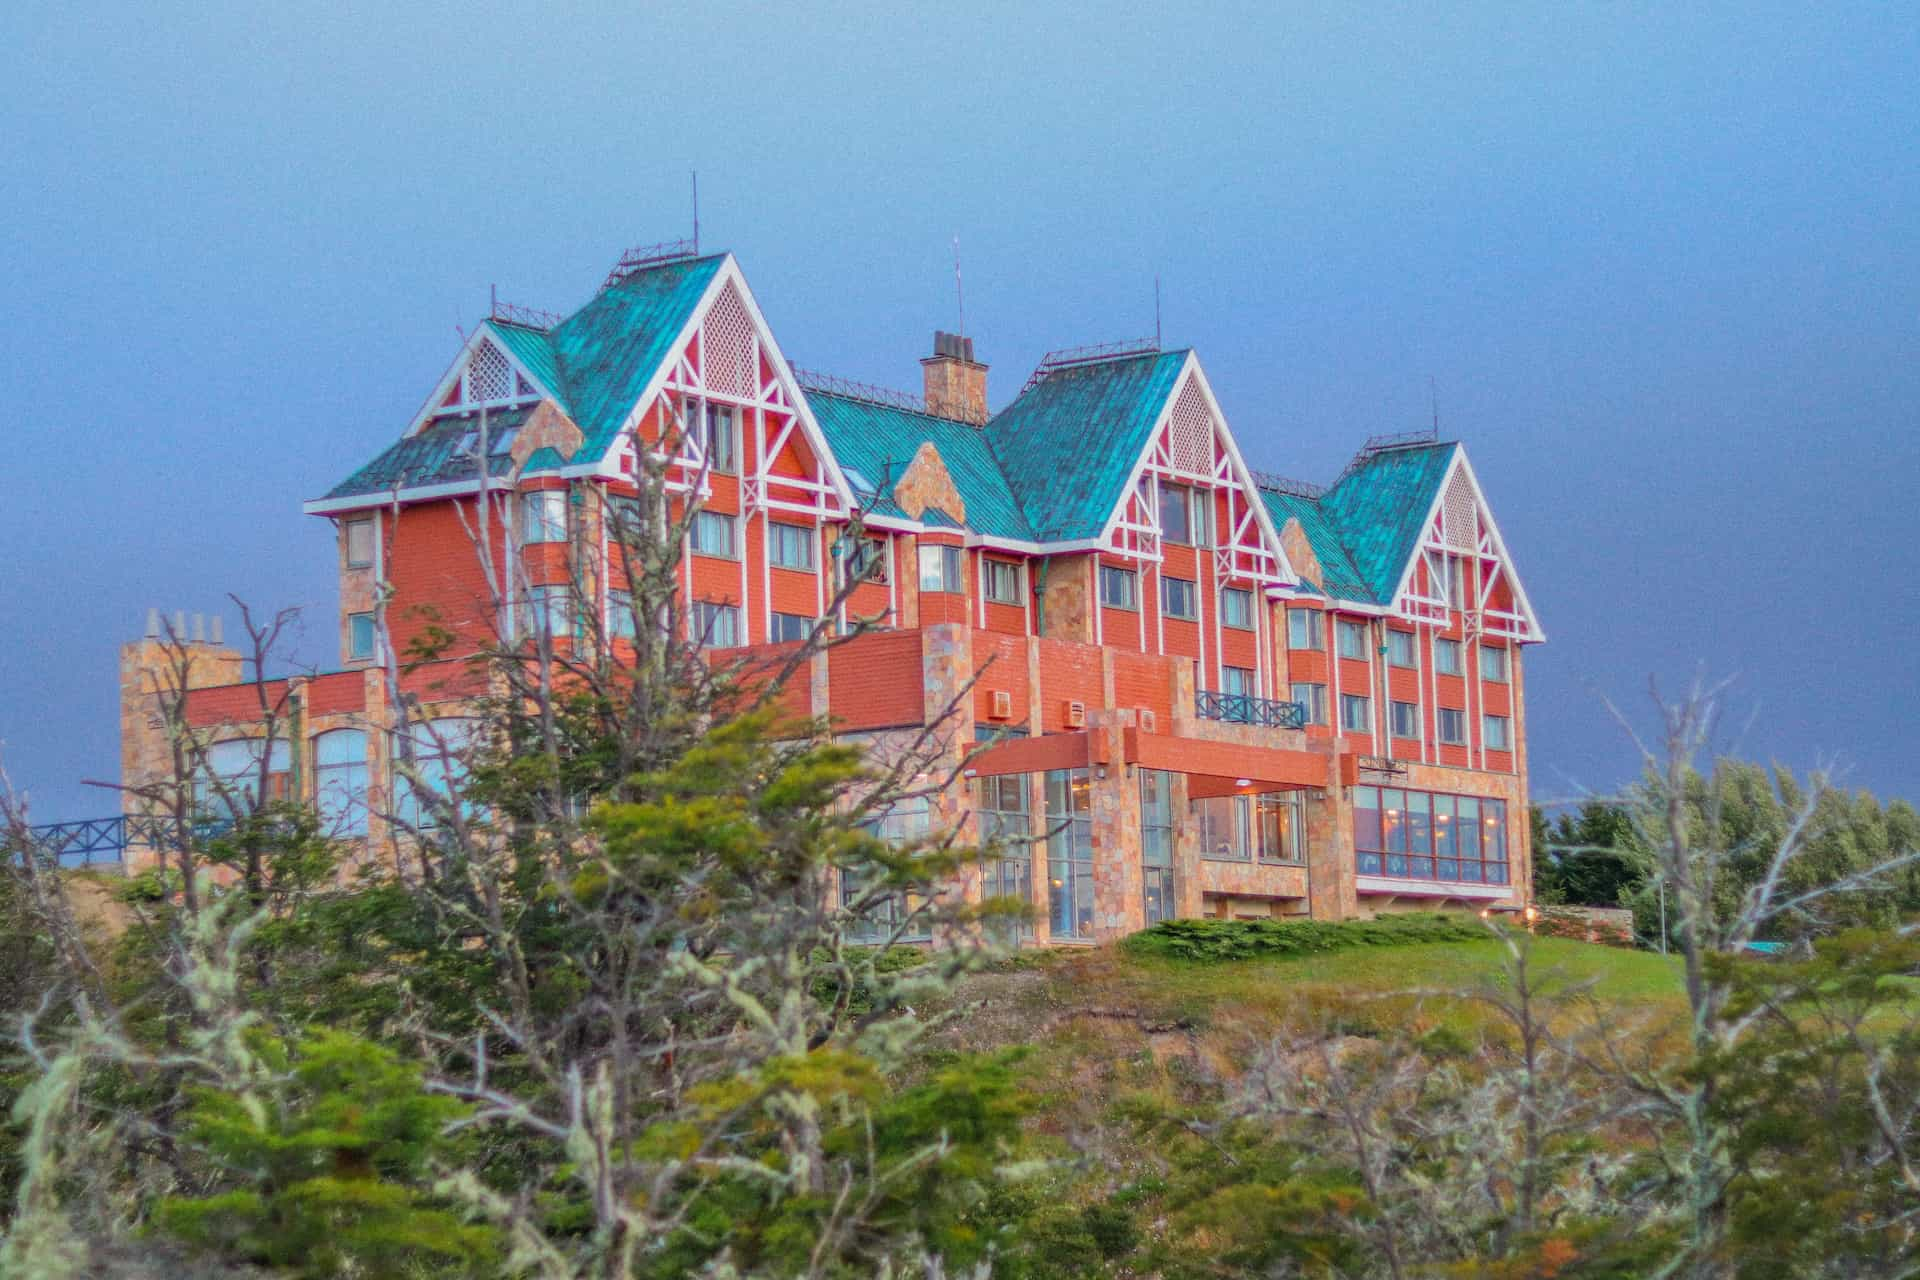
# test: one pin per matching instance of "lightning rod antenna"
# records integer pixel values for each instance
(696, 209)
(959, 294)
(1433, 393)
(1156, 310)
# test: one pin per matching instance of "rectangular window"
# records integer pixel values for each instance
(1006, 840)
(1350, 638)
(785, 627)
(1236, 608)
(1356, 713)
(1497, 733)
(1069, 819)
(1119, 588)
(620, 615)
(359, 543)
(1452, 726)
(712, 535)
(1222, 825)
(1177, 598)
(1313, 701)
(340, 781)
(715, 626)
(1426, 836)
(359, 636)
(1237, 681)
(1304, 629)
(790, 546)
(940, 569)
(1156, 844)
(543, 517)
(1406, 719)
(867, 561)
(547, 611)
(717, 437)
(1280, 825)
(1447, 658)
(886, 919)
(1176, 513)
(1400, 648)
(1493, 663)
(1003, 581)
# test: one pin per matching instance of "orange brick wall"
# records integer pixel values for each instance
(875, 681)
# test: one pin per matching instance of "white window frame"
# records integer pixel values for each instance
(1114, 573)
(1456, 665)
(704, 519)
(942, 569)
(354, 653)
(1395, 710)
(783, 535)
(363, 529)
(1402, 651)
(1440, 726)
(539, 524)
(1495, 663)
(1190, 589)
(1007, 571)
(1345, 628)
(1364, 703)
(1310, 624)
(775, 619)
(1312, 697)
(1496, 732)
(701, 624)
(1228, 597)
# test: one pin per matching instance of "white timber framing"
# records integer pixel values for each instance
(1424, 597)
(455, 376)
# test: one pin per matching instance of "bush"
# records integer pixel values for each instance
(1212, 941)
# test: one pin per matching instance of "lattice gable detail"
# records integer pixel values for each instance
(728, 358)
(1192, 446)
(1459, 565)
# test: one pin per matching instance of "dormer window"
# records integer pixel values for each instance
(490, 378)
(499, 441)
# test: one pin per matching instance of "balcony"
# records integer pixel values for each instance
(1244, 708)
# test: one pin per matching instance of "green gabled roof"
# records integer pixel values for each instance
(530, 347)
(1379, 505)
(1068, 445)
(430, 457)
(1343, 580)
(874, 443)
(607, 351)
(595, 363)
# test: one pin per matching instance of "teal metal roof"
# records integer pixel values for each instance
(1069, 443)
(595, 363)
(433, 456)
(1343, 581)
(1378, 507)
(607, 351)
(874, 443)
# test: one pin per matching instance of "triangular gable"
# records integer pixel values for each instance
(1453, 519)
(724, 349)
(1190, 443)
(489, 371)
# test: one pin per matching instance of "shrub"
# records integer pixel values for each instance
(1212, 941)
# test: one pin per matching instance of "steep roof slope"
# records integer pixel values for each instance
(1379, 506)
(1069, 443)
(1342, 580)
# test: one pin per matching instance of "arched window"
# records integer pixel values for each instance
(340, 781)
(441, 751)
(224, 786)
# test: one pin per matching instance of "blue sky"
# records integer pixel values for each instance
(1659, 262)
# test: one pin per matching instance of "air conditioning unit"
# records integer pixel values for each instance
(1001, 705)
(1149, 723)
(1076, 715)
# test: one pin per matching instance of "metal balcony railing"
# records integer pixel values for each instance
(1244, 708)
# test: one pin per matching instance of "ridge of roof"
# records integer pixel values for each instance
(1380, 503)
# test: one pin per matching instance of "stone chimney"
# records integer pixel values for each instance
(956, 382)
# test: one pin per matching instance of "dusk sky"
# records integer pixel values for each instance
(1661, 265)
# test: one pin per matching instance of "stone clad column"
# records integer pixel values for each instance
(946, 660)
(1330, 863)
(1119, 897)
